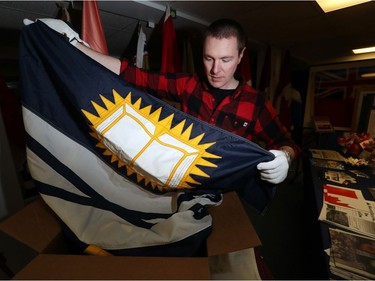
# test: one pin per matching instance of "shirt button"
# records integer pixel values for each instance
(212, 120)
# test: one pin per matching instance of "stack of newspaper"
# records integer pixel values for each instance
(352, 252)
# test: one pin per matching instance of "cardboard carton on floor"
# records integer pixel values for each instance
(36, 230)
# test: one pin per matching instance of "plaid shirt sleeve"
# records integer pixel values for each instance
(269, 129)
(162, 85)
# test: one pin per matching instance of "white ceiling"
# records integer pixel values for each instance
(300, 26)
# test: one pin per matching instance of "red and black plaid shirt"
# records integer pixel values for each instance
(246, 113)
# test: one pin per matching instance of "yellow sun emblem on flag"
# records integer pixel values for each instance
(164, 156)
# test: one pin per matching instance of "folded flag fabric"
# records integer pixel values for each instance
(123, 170)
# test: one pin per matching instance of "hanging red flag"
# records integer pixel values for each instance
(92, 28)
(170, 59)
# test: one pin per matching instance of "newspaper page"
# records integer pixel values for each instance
(352, 256)
(326, 154)
(329, 164)
(347, 208)
(339, 177)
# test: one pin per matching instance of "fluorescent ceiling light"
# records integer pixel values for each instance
(368, 75)
(333, 5)
(364, 50)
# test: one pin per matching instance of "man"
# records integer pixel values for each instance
(219, 98)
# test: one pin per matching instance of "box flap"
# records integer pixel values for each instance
(35, 225)
(114, 267)
(232, 229)
(14, 255)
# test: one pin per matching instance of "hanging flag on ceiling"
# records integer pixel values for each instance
(92, 28)
(141, 48)
(63, 13)
(136, 50)
(170, 58)
(130, 51)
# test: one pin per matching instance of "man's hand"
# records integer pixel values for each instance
(275, 171)
(60, 27)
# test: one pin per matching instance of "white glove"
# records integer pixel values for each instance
(275, 171)
(61, 27)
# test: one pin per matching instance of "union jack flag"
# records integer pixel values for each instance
(335, 92)
(340, 83)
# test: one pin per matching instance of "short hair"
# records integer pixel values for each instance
(226, 28)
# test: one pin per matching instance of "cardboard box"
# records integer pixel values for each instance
(36, 230)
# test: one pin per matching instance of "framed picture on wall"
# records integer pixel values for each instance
(363, 106)
(336, 91)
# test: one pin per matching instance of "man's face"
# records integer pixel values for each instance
(220, 58)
